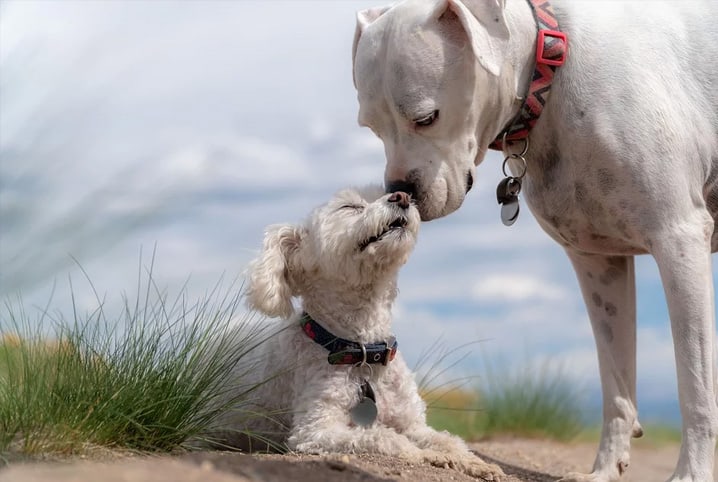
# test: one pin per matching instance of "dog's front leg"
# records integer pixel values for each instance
(325, 433)
(684, 261)
(608, 288)
(326, 430)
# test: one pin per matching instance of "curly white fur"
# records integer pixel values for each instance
(348, 288)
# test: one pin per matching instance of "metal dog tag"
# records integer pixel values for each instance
(364, 413)
(510, 212)
(508, 190)
(507, 194)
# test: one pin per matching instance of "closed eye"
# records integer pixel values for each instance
(427, 120)
(354, 207)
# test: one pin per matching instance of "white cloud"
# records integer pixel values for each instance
(501, 288)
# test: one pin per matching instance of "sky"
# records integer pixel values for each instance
(190, 126)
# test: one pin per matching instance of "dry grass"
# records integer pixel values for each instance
(528, 403)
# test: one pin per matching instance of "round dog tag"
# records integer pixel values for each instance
(364, 413)
(510, 212)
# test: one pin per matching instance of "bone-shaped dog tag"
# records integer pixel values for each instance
(507, 194)
(364, 413)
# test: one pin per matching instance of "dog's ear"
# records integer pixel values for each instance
(364, 19)
(269, 285)
(485, 25)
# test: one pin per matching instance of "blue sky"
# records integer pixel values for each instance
(193, 125)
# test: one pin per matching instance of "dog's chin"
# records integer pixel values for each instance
(390, 252)
(434, 205)
(395, 233)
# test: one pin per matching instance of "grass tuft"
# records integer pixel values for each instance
(151, 379)
(452, 404)
(528, 403)
(532, 402)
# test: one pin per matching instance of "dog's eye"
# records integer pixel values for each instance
(353, 207)
(427, 120)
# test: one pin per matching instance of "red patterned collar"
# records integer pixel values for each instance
(551, 49)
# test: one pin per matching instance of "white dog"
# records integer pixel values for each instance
(320, 397)
(623, 160)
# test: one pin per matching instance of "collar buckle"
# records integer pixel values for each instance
(390, 351)
(551, 47)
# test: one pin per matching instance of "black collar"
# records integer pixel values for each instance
(347, 352)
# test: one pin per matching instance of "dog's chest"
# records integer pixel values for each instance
(396, 396)
(392, 408)
(588, 208)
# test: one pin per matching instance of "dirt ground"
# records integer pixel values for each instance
(522, 460)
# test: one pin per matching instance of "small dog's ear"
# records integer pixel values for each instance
(269, 287)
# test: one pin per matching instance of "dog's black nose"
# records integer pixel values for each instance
(401, 198)
(401, 186)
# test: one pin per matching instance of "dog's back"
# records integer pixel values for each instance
(670, 47)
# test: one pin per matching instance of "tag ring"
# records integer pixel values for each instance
(526, 144)
(521, 158)
(363, 364)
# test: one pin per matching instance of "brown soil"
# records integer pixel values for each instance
(522, 460)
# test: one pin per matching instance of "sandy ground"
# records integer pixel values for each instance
(522, 460)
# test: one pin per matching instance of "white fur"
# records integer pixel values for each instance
(306, 401)
(623, 161)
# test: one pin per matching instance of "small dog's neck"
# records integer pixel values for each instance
(363, 315)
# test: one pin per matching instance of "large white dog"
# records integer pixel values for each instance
(622, 161)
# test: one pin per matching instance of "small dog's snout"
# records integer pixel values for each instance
(401, 186)
(401, 198)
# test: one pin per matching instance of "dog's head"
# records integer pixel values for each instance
(430, 85)
(356, 239)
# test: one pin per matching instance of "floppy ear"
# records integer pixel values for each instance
(364, 19)
(269, 287)
(485, 25)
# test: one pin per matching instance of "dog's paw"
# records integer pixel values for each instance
(444, 442)
(470, 465)
(482, 470)
(309, 448)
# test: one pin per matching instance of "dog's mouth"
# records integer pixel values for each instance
(397, 224)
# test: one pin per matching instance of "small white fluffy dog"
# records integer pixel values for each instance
(343, 264)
